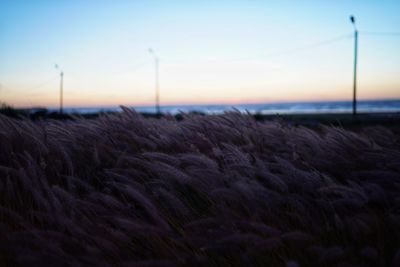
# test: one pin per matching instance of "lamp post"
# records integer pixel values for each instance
(353, 21)
(61, 88)
(157, 83)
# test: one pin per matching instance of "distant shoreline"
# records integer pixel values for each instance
(346, 120)
(305, 107)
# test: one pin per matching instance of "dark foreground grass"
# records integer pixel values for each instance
(227, 190)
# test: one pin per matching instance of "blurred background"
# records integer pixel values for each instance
(264, 56)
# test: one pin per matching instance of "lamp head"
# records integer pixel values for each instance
(352, 19)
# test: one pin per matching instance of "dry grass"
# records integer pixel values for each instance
(223, 190)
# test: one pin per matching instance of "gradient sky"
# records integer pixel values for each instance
(210, 51)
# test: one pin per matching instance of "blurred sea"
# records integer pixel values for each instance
(369, 106)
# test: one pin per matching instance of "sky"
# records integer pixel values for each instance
(210, 52)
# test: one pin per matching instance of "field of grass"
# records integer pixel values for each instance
(224, 190)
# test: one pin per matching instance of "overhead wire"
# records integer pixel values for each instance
(312, 45)
(280, 53)
(381, 33)
(40, 85)
(290, 51)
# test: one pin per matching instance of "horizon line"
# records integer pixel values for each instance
(206, 103)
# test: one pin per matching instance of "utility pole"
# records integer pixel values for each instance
(61, 91)
(61, 88)
(157, 82)
(353, 21)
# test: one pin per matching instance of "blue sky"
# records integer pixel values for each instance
(210, 51)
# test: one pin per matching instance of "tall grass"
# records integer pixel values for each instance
(225, 190)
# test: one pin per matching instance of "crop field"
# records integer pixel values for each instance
(221, 190)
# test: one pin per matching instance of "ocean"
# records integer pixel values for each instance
(367, 106)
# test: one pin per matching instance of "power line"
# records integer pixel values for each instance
(2, 87)
(284, 52)
(131, 69)
(312, 45)
(42, 84)
(38, 86)
(381, 33)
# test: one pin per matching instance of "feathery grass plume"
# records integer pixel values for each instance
(268, 250)
(219, 190)
(142, 203)
(172, 206)
(331, 255)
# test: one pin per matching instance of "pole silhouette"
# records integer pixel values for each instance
(157, 82)
(61, 91)
(352, 19)
(61, 88)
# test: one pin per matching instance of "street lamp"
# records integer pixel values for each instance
(61, 87)
(156, 61)
(353, 21)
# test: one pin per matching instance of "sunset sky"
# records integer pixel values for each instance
(210, 51)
